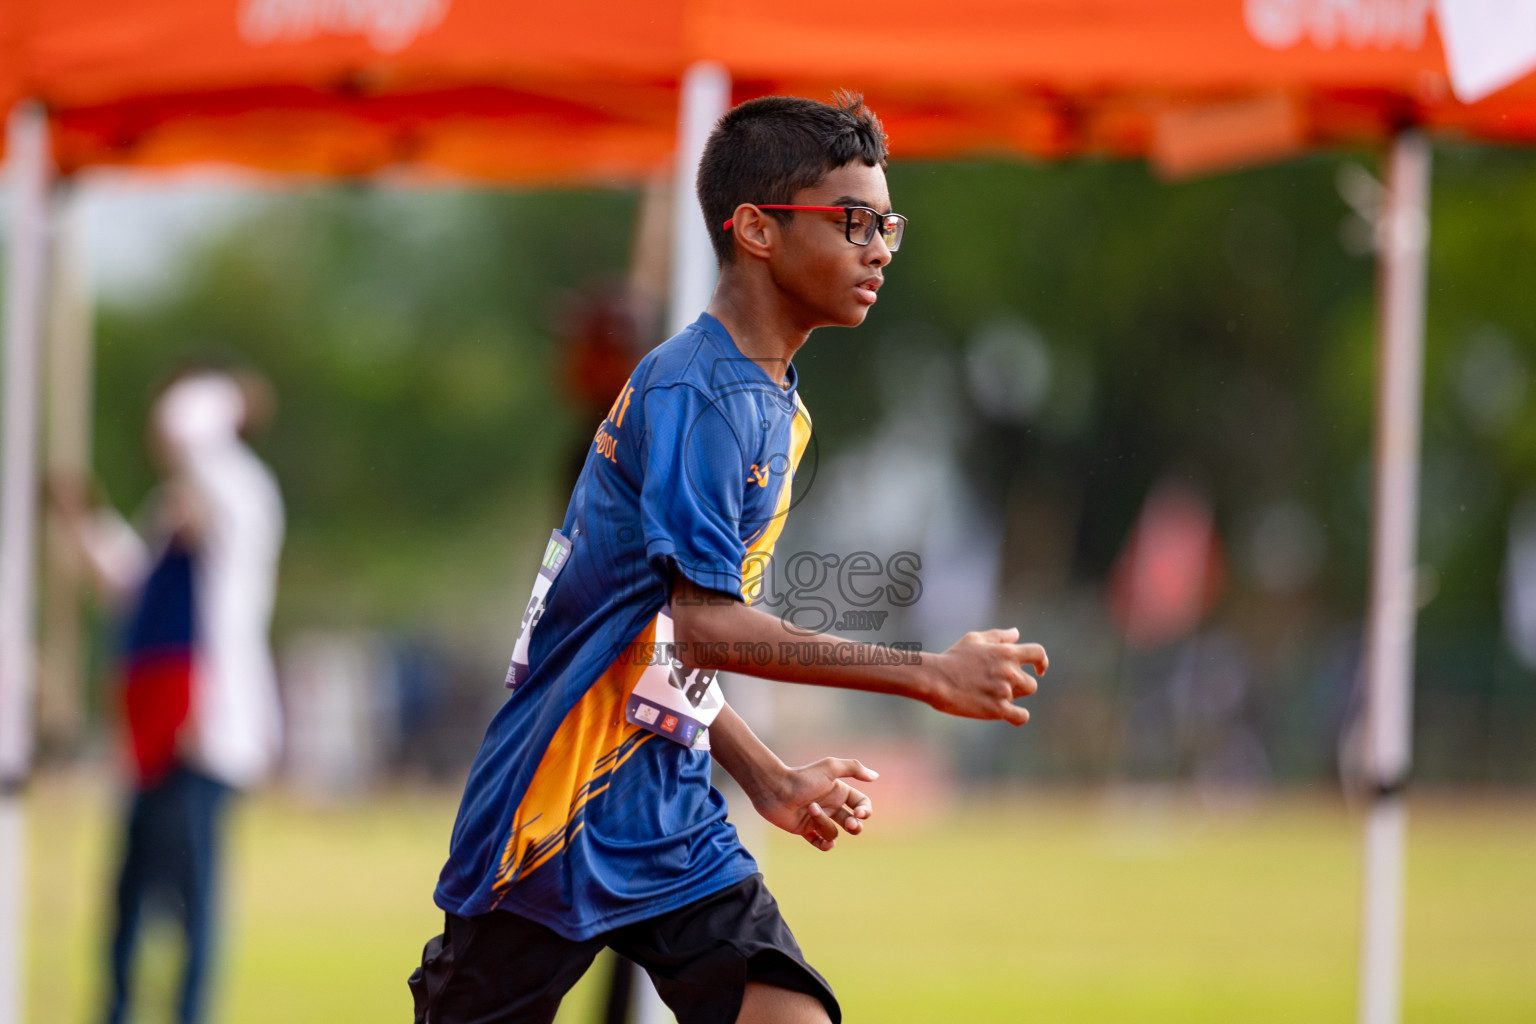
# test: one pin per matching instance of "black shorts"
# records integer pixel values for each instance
(499, 968)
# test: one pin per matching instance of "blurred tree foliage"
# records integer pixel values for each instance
(408, 336)
(1220, 330)
(1191, 324)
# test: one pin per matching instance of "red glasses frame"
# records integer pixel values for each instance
(834, 209)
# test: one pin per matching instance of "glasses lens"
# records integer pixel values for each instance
(861, 225)
(893, 227)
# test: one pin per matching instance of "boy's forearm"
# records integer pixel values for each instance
(730, 628)
(745, 758)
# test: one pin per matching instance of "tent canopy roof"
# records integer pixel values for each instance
(588, 90)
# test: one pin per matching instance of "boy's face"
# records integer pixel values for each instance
(830, 280)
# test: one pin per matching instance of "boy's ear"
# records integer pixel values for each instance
(755, 231)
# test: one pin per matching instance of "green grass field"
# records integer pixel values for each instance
(1061, 906)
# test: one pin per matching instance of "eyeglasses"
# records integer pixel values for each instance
(861, 225)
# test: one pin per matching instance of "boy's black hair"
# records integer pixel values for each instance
(767, 149)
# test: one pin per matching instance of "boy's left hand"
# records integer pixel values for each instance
(814, 800)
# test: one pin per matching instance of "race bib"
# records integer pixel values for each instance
(671, 701)
(556, 553)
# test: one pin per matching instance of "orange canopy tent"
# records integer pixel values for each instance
(520, 93)
(600, 90)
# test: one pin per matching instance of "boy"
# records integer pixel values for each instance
(588, 819)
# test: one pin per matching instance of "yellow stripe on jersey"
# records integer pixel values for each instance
(588, 747)
(760, 549)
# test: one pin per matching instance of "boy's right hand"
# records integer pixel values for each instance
(982, 675)
(814, 800)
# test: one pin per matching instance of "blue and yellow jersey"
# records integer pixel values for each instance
(572, 816)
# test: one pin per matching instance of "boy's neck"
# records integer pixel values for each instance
(752, 309)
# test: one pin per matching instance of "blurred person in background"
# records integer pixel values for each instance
(601, 340)
(195, 586)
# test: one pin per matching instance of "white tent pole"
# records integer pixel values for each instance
(66, 452)
(705, 96)
(1402, 245)
(25, 277)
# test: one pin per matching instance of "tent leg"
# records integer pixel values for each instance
(67, 454)
(27, 148)
(1403, 235)
(705, 96)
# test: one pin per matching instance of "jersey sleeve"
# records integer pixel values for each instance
(691, 497)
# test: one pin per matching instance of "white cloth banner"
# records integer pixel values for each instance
(1488, 44)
